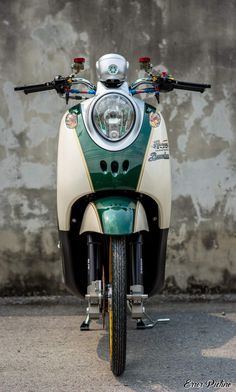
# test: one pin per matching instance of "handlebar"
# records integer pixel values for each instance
(166, 84)
(157, 84)
(60, 84)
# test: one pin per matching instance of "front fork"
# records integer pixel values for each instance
(98, 294)
(94, 294)
(137, 297)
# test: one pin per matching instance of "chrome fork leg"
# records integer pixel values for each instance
(137, 297)
(136, 302)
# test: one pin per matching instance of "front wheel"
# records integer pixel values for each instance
(117, 307)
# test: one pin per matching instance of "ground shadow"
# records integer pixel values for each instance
(193, 346)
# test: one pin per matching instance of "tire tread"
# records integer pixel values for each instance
(119, 305)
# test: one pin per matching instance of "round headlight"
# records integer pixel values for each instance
(113, 116)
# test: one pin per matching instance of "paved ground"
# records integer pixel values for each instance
(43, 350)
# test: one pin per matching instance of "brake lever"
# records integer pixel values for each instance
(163, 84)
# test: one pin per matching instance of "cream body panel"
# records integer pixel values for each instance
(155, 177)
(73, 180)
(91, 221)
(140, 220)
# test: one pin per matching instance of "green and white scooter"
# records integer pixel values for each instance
(113, 192)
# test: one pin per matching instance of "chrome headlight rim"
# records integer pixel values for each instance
(133, 122)
(86, 110)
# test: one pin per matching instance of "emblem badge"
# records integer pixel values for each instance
(161, 150)
(154, 119)
(113, 69)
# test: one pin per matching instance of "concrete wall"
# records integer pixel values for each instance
(194, 41)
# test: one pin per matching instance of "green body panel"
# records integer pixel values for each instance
(116, 214)
(105, 179)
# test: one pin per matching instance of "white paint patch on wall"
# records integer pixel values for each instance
(39, 132)
(163, 5)
(146, 36)
(9, 172)
(30, 216)
(15, 107)
(163, 47)
(55, 33)
(137, 5)
(218, 123)
(198, 103)
(182, 142)
(207, 182)
(43, 103)
(83, 39)
(7, 138)
(16, 174)
(37, 175)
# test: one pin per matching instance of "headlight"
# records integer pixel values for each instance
(113, 116)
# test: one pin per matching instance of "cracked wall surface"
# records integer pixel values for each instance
(194, 41)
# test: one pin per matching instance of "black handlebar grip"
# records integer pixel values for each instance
(19, 88)
(30, 86)
(201, 85)
(36, 89)
(189, 88)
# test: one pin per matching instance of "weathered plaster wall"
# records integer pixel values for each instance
(195, 41)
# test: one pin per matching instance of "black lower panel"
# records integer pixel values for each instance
(74, 262)
(154, 261)
(75, 254)
(74, 259)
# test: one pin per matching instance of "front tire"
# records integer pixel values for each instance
(117, 310)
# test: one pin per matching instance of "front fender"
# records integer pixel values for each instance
(114, 215)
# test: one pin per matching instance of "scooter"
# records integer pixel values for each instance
(113, 192)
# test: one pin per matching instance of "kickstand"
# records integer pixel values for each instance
(142, 325)
(85, 324)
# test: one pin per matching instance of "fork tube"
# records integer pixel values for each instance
(90, 260)
(136, 264)
(139, 260)
(93, 260)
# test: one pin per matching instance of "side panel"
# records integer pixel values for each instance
(73, 180)
(155, 177)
